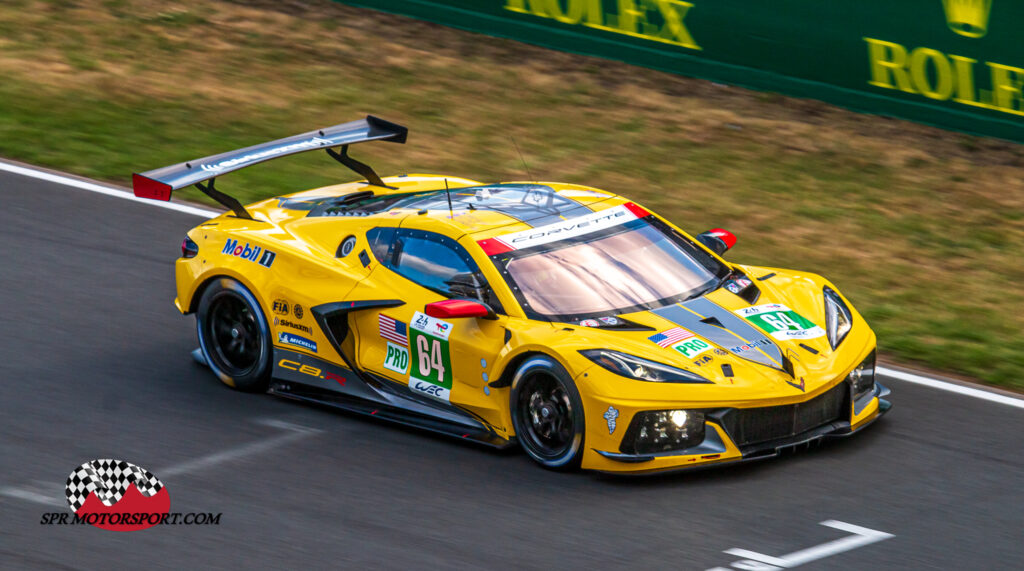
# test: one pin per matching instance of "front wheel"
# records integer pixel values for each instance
(234, 335)
(547, 413)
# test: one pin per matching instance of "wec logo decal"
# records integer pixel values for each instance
(256, 254)
(429, 389)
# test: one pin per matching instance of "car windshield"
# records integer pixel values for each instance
(642, 264)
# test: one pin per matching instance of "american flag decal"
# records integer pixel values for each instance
(393, 329)
(670, 337)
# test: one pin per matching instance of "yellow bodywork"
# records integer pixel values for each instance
(306, 273)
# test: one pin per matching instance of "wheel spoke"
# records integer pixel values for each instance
(564, 432)
(547, 409)
(235, 335)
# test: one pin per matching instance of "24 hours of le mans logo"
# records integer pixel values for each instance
(117, 495)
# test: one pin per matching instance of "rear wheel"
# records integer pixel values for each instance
(547, 413)
(234, 335)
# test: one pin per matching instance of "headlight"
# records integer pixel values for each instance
(663, 430)
(862, 377)
(640, 369)
(838, 319)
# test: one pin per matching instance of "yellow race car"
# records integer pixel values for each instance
(570, 320)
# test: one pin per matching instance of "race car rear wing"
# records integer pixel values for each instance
(159, 183)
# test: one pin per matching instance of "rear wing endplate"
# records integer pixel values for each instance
(159, 183)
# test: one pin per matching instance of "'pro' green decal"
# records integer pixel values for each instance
(397, 358)
(692, 348)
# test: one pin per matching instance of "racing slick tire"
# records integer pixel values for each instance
(234, 335)
(547, 413)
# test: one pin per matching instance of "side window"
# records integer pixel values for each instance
(439, 263)
(380, 240)
(431, 260)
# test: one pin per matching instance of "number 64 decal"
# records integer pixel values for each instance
(430, 359)
(781, 322)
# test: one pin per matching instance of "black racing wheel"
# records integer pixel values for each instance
(547, 413)
(234, 335)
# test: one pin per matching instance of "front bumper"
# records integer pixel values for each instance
(718, 446)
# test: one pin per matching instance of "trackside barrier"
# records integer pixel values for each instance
(957, 64)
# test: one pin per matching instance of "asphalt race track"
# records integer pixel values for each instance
(95, 364)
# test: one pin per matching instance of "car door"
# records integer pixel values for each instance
(445, 360)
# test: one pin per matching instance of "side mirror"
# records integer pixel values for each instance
(717, 240)
(456, 308)
(469, 285)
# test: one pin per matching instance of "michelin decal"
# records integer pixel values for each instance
(297, 341)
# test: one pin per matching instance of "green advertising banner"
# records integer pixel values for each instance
(953, 63)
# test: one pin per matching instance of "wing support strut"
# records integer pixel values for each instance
(229, 201)
(360, 168)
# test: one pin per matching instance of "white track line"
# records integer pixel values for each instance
(292, 432)
(121, 193)
(46, 494)
(51, 495)
(102, 189)
(859, 537)
(952, 387)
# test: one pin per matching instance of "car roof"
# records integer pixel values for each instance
(480, 209)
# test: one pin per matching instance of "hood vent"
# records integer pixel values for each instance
(712, 321)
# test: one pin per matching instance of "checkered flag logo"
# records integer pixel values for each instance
(109, 479)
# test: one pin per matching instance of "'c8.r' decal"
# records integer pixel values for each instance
(311, 371)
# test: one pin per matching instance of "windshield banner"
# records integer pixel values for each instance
(564, 229)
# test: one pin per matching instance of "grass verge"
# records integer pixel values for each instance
(922, 228)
